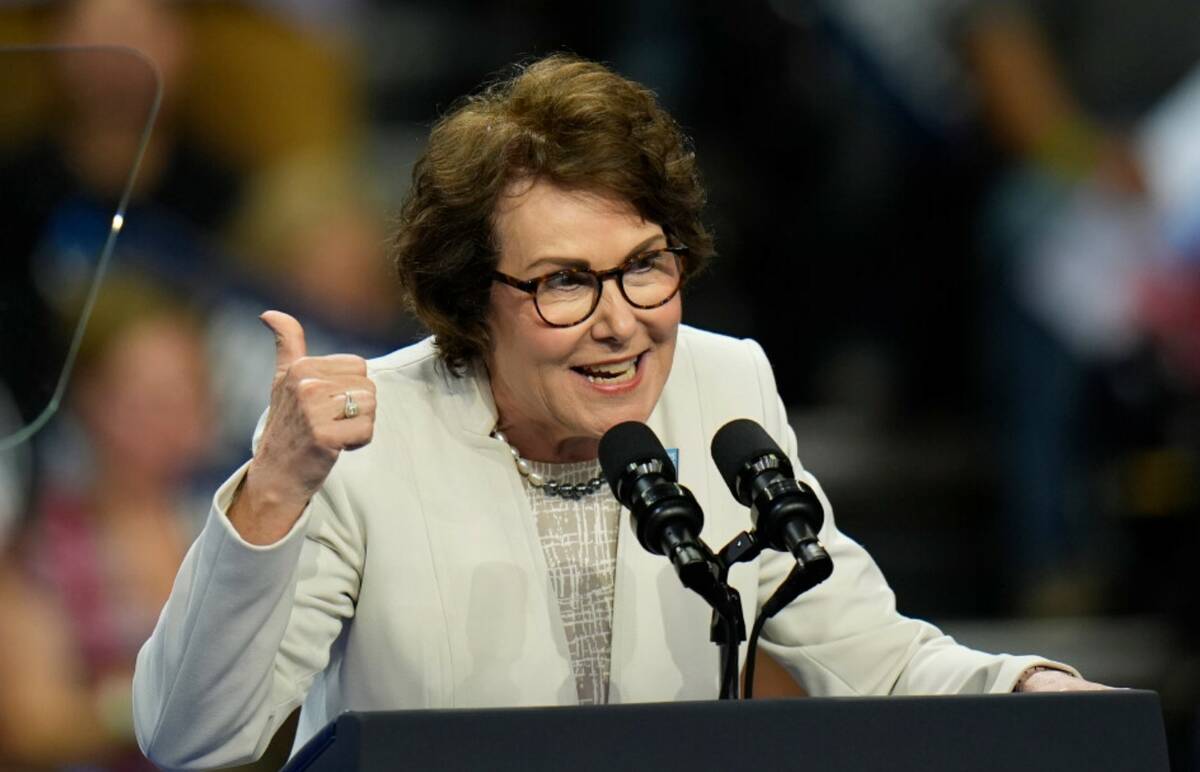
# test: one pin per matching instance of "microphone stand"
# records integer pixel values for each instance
(728, 629)
(744, 547)
(707, 576)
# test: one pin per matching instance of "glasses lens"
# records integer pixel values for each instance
(566, 297)
(651, 279)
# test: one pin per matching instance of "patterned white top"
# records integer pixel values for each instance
(579, 540)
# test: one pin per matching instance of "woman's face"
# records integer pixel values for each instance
(550, 408)
(146, 404)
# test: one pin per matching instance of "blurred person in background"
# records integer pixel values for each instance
(1034, 108)
(60, 183)
(84, 579)
(244, 91)
(1094, 371)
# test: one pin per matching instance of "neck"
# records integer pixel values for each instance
(120, 495)
(534, 444)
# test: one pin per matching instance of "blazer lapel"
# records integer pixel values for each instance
(652, 610)
(503, 624)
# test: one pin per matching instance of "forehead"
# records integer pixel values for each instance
(537, 221)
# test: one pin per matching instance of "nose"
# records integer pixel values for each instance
(614, 320)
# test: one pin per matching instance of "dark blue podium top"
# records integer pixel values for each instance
(1117, 731)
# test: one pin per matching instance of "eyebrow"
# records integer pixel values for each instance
(569, 262)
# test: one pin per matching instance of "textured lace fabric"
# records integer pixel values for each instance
(579, 540)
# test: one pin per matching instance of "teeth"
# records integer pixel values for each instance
(618, 372)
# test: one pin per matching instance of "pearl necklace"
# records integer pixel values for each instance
(549, 487)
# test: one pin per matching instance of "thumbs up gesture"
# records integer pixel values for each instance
(320, 406)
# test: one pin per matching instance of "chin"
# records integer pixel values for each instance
(610, 418)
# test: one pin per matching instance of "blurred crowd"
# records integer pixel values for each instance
(967, 233)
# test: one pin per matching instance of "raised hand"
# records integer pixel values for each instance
(310, 422)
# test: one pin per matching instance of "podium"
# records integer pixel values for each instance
(1116, 731)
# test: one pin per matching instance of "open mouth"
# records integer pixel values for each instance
(610, 372)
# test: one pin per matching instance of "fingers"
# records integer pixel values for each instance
(329, 366)
(289, 338)
(325, 406)
(322, 402)
(364, 402)
(347, 434)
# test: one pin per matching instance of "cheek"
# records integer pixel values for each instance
(528, 359)
(507, 340)
(531, 345)
(547, 362)
(663, 323)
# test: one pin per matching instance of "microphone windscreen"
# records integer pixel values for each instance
(628, 443)
(736, 444)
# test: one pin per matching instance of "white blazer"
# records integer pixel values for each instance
(415, 579)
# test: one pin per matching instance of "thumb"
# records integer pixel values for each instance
(289, 338)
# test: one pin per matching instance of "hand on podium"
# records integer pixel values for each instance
(1044, 679)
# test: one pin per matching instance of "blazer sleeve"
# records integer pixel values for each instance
(845, 636)
(244, 633)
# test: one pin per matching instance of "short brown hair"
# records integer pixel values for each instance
(563, 119)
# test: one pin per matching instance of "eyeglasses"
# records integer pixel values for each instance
(568, 297)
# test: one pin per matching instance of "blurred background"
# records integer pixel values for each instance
(966, 232)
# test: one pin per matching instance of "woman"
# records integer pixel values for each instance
(395, 541)
(85, 579)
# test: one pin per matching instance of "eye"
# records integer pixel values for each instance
(644, 263)
(659, 261)
(567, 281)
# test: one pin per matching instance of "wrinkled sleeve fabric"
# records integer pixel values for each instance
(244, 633)
(845, 637)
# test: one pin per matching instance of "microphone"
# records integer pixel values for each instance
(787, 513)
(666, 517)
(667, 521)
